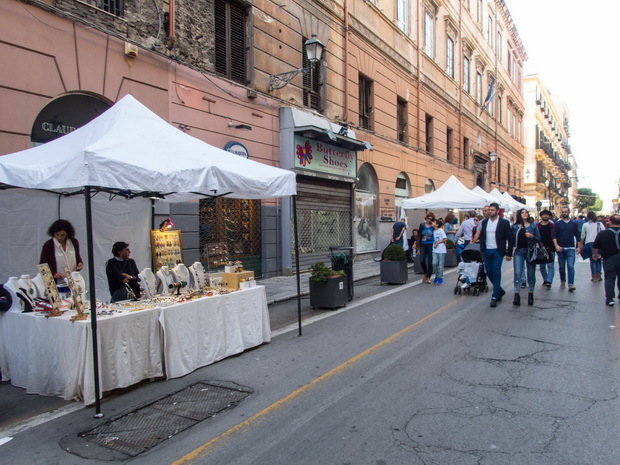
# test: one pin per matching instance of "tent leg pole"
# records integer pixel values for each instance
(93, 298)
(152, 213)
(296, 239)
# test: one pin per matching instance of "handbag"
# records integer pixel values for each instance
(537, 255)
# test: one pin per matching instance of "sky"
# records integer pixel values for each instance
(571, 46)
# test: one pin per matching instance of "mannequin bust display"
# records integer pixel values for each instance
(181, 274)
(165, 279)
(12, 286)
(26, 283)
(148, 283)
(39, 285)
(198, 273)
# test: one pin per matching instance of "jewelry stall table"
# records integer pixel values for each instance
(53, 356)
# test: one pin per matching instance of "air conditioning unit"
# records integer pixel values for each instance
(131, 50)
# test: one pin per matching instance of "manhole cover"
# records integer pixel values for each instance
(142, 429)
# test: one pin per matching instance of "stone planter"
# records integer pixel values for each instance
(394, 272)
(333, 293)
(451, 258)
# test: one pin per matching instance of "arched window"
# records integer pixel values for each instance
(429, 186)
(365, 222)
(402, 191)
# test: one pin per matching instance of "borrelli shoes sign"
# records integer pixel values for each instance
(321, 157)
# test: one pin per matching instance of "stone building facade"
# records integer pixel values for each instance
(393, 108)
(550, 169)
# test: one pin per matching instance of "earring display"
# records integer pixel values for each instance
(166, 248)
(76, 294)
(51, 290)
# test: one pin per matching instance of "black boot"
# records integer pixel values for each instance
(517, 300)
(530, 298)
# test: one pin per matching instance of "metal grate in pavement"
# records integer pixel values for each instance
(143, 429)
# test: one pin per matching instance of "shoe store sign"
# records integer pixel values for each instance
(314, 155)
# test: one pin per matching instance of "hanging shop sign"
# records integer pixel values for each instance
(314, 155)
(237, 148)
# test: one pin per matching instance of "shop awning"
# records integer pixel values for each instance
(329, 136)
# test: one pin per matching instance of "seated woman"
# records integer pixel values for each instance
(62, 249)
(122, 273)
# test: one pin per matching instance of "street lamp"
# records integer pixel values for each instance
(314, 50)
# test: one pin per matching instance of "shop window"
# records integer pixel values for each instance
(230, 40)
(233, 226)
(429, 186)
(311, 81)
(365, 222)
(365, 102)
(401, 120)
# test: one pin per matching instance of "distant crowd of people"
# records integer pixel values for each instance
(593, 237)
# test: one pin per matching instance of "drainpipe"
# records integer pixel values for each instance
(171, 32)
(345, 115)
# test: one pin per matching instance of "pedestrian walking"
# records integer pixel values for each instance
(545, 228)
(589, 232)
(526, 234)
(439, 251)
(607, 246)
(399, 229)
(496, 242)
(465, 232)
(426, 233)
(448, 226)
(566, 241)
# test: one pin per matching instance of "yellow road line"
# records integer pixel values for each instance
(208, 447)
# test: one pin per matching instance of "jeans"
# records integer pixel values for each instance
(493, 264)
(438, 261)
(426, 259)
(611, 265)
(566, 259)
(521, 264)
(596, 265)
(547, 270)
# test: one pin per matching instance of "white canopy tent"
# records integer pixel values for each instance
(480, 191)
(451, 195)
(517, 204)
(130, 152)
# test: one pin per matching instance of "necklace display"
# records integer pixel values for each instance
(26, 283)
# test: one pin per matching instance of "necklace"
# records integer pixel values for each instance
(26, 283)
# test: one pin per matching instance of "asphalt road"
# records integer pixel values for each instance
(415, 375)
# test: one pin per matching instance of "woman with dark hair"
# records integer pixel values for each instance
(62, 249)
(526, 233)
(588, 234)
(448, 226)
(425, 241)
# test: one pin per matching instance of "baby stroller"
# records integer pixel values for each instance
(472, 277)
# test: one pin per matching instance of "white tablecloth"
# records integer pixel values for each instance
(53, 356)
(197, 333)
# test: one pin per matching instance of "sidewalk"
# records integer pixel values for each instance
(281, 288)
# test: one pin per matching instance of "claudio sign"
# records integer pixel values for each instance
(324, 158)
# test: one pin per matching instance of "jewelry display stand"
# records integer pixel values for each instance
(39, 285)
(51, 290)
(12, 287)
(181, 274)
(148, 282)
(26, 283)
(166, 248)
(76, 294)
(165, 280)
(81, 283)
(198, 275)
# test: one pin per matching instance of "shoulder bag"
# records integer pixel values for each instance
(537, 255)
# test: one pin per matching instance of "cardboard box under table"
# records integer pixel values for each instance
(232, 280)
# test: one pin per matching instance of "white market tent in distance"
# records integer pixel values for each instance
(480, 191)
(451, 195)
(130, 148)
(506, 201)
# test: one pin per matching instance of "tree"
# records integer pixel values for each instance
(586, 199)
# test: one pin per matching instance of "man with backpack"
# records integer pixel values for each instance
(608, 245)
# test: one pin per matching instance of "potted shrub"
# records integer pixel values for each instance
(451, 256)
(394, 265)
(328, 288)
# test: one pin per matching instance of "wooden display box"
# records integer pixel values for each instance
(166, 248)
(231, 280)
